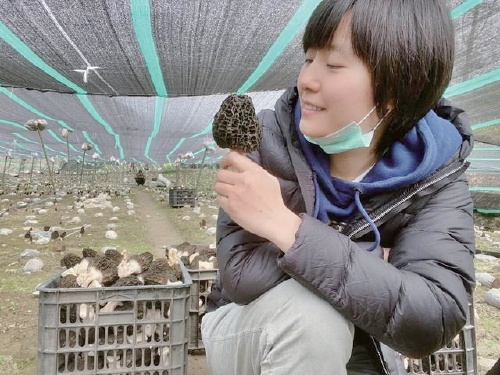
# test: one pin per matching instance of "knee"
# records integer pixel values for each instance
(309, 315)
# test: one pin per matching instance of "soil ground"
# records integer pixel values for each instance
(162, 232)
(19, 307)
(154, 226)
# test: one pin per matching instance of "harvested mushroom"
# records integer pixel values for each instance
(135, 265)
(70, 260)
(162, 272)
(235, 125)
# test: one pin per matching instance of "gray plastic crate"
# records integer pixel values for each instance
(459, 357)
(147, 334)
(180, 197)
(200, 289)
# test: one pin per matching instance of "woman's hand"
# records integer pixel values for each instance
(252, 198)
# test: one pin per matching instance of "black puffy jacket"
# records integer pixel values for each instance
(416, 302)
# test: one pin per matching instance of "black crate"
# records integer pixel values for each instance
(180, 197)
(147, 334)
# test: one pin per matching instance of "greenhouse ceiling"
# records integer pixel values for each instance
(140, 80)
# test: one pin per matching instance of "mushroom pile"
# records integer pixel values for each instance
(112, 268)
(196, 257)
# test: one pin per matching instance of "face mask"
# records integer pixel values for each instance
(348, 138)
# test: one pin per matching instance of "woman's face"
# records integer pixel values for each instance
(335, 88)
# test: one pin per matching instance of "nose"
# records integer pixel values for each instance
(309, 77)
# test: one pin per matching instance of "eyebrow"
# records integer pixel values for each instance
(338, 48)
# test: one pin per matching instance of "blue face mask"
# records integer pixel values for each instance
(348, 138)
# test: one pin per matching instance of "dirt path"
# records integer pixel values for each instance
(162, 232)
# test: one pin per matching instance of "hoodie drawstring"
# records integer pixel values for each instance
(367, 217)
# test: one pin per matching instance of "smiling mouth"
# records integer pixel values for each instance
(313, 108)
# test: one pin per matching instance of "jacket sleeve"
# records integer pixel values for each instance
(248, 264)
(415, 303)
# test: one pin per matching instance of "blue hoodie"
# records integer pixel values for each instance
(425, 148)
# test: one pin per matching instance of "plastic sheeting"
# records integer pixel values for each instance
(142, 79)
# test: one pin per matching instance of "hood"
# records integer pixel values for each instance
(441, 135)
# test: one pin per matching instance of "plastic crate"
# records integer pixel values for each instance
(148, 334)
(180, 197)
(459, 357)
(200, 289)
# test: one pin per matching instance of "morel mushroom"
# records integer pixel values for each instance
(162, 272)
(68, 281)
(89, 253)
(236, 126)
(115, 255)
(131, 280)
(103, 270)
(135, 265)
(70, 260)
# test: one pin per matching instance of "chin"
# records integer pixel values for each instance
(312, 134)
(312, 130)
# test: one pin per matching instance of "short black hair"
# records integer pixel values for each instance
(407, 45)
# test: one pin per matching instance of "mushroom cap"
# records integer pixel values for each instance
(235, 125)
(186, 247)
(89, 253)
(107, 268)
(144, 260)
(161, 272)
(204, 258)
(114, 255)
(68, 281)
(36, 124)
(70, 260)
(131, 280)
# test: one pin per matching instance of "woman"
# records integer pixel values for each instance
(348, 237)
(140, 179)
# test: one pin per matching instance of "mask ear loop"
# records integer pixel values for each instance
(368, 114)
(381, 120)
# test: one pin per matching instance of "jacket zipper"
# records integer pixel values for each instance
(380, 356)
(380, 216)
(410, 195)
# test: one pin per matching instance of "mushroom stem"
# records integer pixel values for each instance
(32, 165)
(67, 151)
(47, 161)
(83, 164)
(4, 169)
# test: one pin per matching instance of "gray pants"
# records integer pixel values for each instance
(286, 331)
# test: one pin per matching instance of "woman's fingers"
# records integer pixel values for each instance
(227, 176)
(237, 161)
(222, 188)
